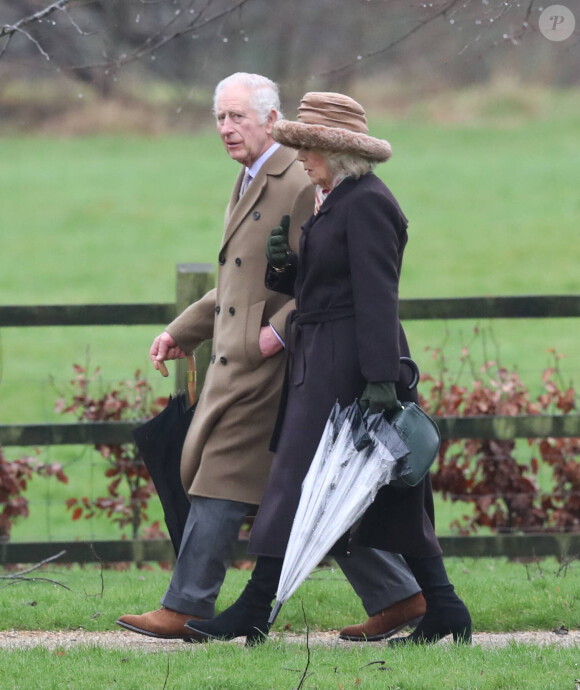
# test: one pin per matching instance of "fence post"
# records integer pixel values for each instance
(192, 282)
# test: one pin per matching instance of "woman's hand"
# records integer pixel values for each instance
(164, 347)
(277, 246)
(379, 397)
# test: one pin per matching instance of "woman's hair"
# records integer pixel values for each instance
(349, 164)
(264, 95)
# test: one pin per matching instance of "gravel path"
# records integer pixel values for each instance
(15, 639)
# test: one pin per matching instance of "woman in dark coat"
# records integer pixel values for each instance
(345, 342)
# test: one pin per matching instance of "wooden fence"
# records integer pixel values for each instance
(193, 281)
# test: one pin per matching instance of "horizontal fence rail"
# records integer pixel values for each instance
(193, 281)
(564, 546)
(518, 307)
(484, 427)
(138, 314)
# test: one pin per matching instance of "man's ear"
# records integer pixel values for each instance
(272, 118)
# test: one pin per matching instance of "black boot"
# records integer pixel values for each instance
(446, 614)
(248, 616)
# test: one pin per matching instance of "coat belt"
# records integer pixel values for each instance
(322, 315)
(295, 320)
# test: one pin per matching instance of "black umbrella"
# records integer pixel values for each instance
(160, 442)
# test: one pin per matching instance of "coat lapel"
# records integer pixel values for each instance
(237, 211)
(234, 197)
(240, 209)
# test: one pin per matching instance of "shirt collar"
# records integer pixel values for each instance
(255, 167)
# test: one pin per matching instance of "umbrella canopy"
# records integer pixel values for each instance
(160, 442)
(355, 457)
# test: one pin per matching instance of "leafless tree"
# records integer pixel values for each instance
(326, 43)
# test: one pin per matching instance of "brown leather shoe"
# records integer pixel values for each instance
(163, 623)
(388, 621)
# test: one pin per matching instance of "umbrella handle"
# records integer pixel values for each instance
(191, 376)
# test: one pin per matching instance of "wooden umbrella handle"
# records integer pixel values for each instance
(191, 376)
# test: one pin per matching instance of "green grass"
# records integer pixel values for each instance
(281, 666)
(502, 596)
(493, 210)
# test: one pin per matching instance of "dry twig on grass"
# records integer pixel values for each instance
(19, 576)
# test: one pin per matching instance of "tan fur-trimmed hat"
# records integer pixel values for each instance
(331, 122)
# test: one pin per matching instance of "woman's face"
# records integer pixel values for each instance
(316, 167)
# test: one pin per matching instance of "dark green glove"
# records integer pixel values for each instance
(379, 397)
(277, 246)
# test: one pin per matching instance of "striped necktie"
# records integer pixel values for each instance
(245, 183)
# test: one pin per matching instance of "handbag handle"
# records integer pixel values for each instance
(191, 376)
(414, 370)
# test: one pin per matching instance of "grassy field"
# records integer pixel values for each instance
(502, 596)
(493, 209)
(279, 666)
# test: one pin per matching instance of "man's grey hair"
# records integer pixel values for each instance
(264, 94)
(350, 164)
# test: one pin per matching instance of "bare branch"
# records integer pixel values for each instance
(34, 567)
(74, 23)
(393, 44)
(10, 29)
(16, 578)
(5, 46)
(525, 24)
(305, 672)
(19, 577)
(167, 674)
(153, 43)
(36, 43)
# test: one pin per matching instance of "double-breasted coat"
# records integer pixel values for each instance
(226, 454)
(345, 332)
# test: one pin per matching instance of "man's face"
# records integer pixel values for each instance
(245, 137)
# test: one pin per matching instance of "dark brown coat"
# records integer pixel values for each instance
(349, 267)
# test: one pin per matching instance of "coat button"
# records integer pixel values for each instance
(223, 360)
(232, 310)
(222, 260)
(238, 262)
(256, 215)
(217, 310)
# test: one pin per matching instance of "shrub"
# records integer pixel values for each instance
(503, 489)
(130, 486)
(14, 478)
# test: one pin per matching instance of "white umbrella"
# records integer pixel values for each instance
(355, 457)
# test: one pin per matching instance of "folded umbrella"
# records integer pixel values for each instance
(160, 442)
(355, 457)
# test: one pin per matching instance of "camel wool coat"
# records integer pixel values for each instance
(226, 454)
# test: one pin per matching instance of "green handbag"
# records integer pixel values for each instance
(421, 436)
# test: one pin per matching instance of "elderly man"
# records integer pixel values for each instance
(225, 460)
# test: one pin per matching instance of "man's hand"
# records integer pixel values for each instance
(269, 343)
(277, 246)
(163, 348)
(379, 397)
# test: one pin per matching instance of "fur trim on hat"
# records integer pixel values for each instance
(300, 135)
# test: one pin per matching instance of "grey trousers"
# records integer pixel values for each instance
(379, 578)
